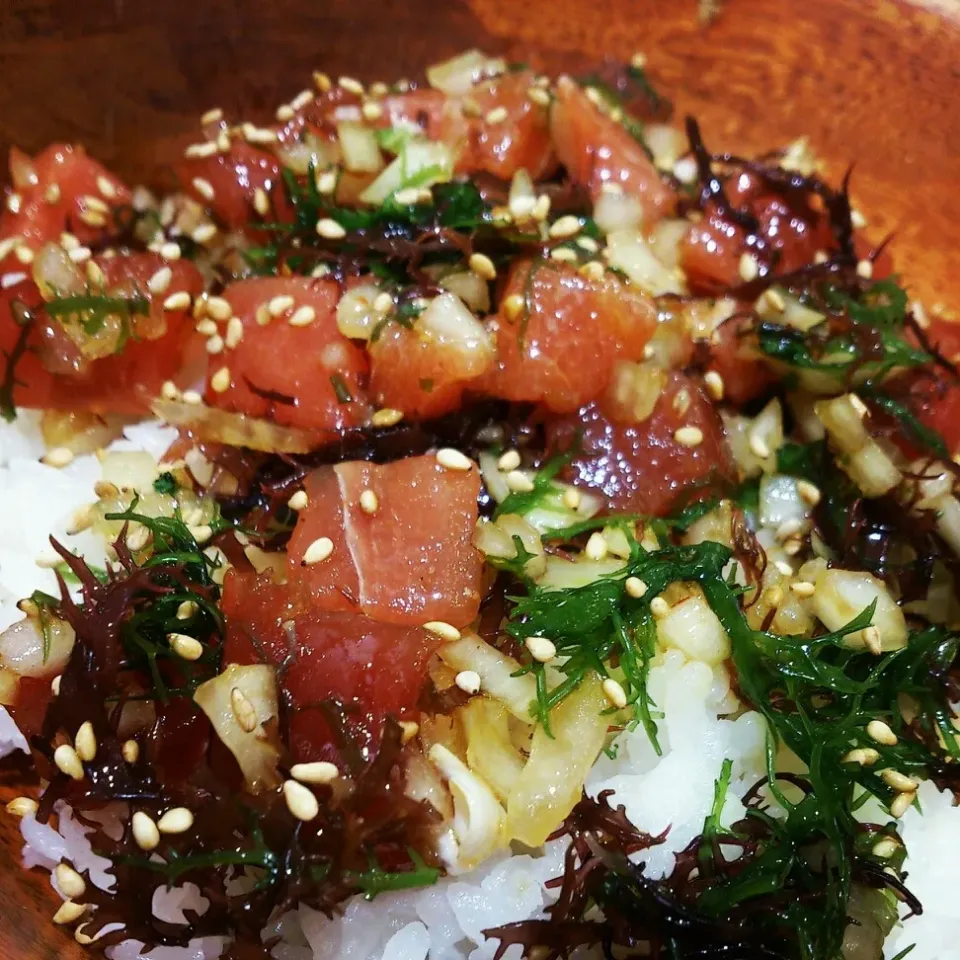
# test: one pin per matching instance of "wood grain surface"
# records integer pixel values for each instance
(875, 83)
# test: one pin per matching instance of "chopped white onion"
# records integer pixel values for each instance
(692, 627)
(420, 163)
(37, 646)
(841, 595)
(458, 74)
(629, 252)
(617, 211)
(360, 149)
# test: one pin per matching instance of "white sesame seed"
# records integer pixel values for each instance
(885, 849)
(318, 551)
(383, 303)
(572, 498)
(773, 596)
(302, 99)
(187, 609)
(496, 115)
(303, 316)
(509, 460)
(483, 266)
(410, 729)
(541, 649)
(130, 751)
(588, 244)
(170, 250)
(803, 588)
(243, 710)
(94, 274)
(688, 436)
(865, 269)
(69, 912)
(809, 492)
(145, 831)
(258, 135)
(857, 219)
(177, 301)
(659, 607)
(86, 742)
(95, 203)
(14, 202)
(298, 501)
(330, 229)
(205, 149)
(184, 646)
(371, 110)
(234, 332)
(820, 256)
(327, 182)
(563, 255)
(538, 96)
(285, 112)
(221, 380)
(902, 802)
(749, 267)
(192, 397)
(615, 694)
(351, 85)
(52, 194)
(319, 772)
(177, 820)
(24, 254)
(635, 587)
(321, 81)
(70, 883)
(55, 684)
(440, 628)
(207, 327)
(596, 548)
(79, 254)
(280, 304)
(789, 528)
(567, 226)
(519, 482)
(58, 457)
(452, 459)
(369, 502)
(593, 270)
(7, 245)
(898, 781)
(882, 733)
(213, 115)
(638, 61)
(513, 306)
(204, 233)
(261, 202)
(219, 308)
(204, 188)
(22, 807)
(386, 417)
(300, 800)
(67, 761)
(468, 681)
(160, 281)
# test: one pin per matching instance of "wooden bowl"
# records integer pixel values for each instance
(871, 82)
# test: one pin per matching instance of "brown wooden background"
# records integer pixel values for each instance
(871, 81)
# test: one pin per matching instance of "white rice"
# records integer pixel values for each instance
(444, 922)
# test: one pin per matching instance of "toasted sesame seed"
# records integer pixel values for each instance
(541, 649)
(483, 266)
(614, 692)
(300, 800)
(22, 807)
(94, 274)
(386, 417)
(318, 772)
(221, 380)
(67, 761)
(440, 628)
(58, 457)
(902, 802)
(261, 202)
(177, 820)
(588, 244)
(809, 492)
(280, 304)
(184, 646)
(865, 269)
(898, 781)
(496, 115)
(329, 228)
(170, 250)
(596, 548)
(192, 397)
(327, 182)
(758, 446)
(95, 204)
(14, 202)
(206, 149)
(298, 501)
(820, 256)
(79, 254)
(541, 209)
(371, 110)
(409, 728)
(351, 85)
(285, 112)
(564, 227)
(858, 405)
(187, 609)
(369, 502)
(885, 848)
(318, 551)
(7, 245)
(509, 460)
(160, 281)
(243, 710)
(69, 912)
(539, 96)
(572, 498)
(69, 882)
(86, 742)
(219, 308)
(222, 143)
(145, 831)
(303, 316)
(452, 459)
(882, 733)
(207, 327)
(321, 81)
(688, 436)
(789, 528)
(748, 267)
(593, 270)
(872, 641)
(468, 681)
(24, 254)
(519, 482)
(213, 115)
(659, 607)
(234, 332)
(803, 588)
(177, 301)
(857, 219)
(130, 751)
(563, 255)
(302, 99)
(258, 135)
(638, 61)
(636, 588)
(513, 306)
(204, 188)
(204, 233)
(52, 194)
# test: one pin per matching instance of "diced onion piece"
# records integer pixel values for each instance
(470, 287)
(780, 501)
(493, 477)
(802, 406)
(799, 316)
(256, 752)
(495, 670)
(458, 74)
(236, 429)
(420, 163)
(715, 526)
(9, 687)
(356, 317)
(23, 643)
(843, 422)
(841, 595)
(478, 818)
(552, 779)
(948, 522)
(692, 627)
(446, 320)
(55, 274)
(754, 442)
(494, 538)
(872, 470)
(129, 469)
(522, 197)
(665, 143)
(423, 782)
(490, 752)
(360, 149)
(79, 431)
(629, 252)
(634, 390)
(551, 513)
(306, 154)
(617, 211)
(666, 238)
(563, 574)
